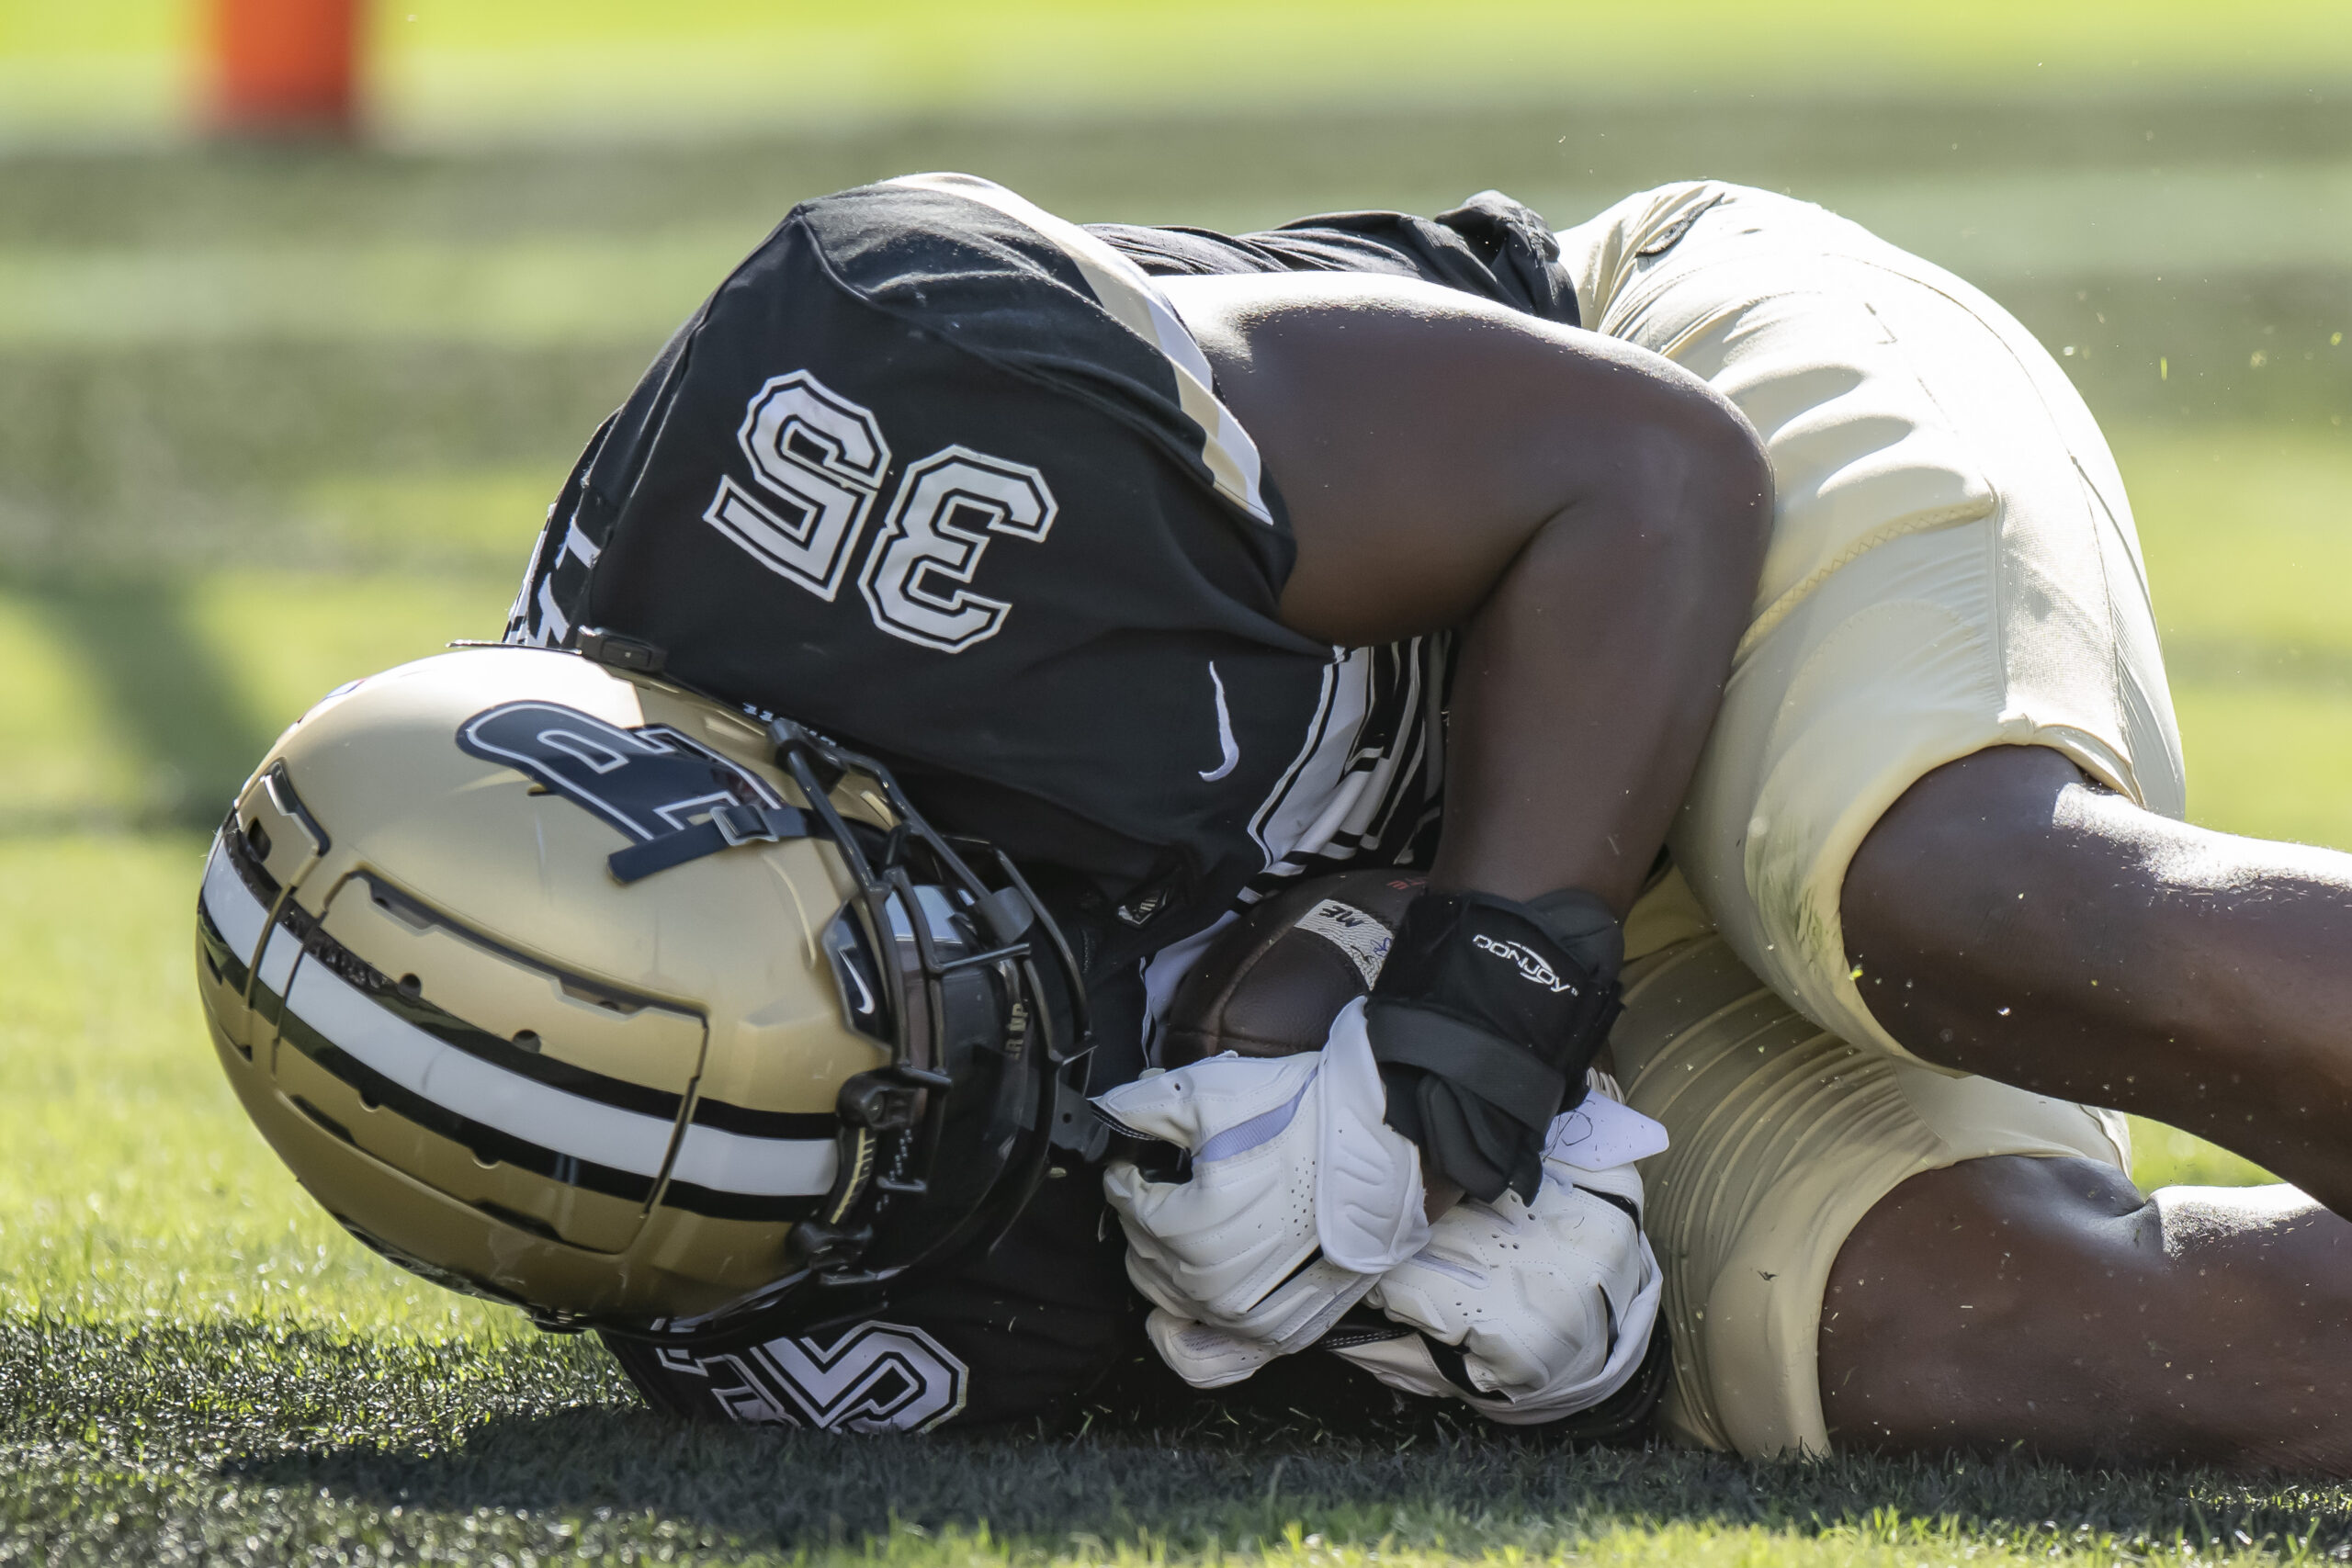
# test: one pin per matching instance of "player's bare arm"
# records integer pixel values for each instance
(1589, 514)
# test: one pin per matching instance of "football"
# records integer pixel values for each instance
(1272, 982)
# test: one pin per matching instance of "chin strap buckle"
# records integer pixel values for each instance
(745, 825)
(879, 1100)
(885, 1099)
(827, 1250)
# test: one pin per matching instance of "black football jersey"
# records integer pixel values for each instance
(944, 477)
(1490, 246)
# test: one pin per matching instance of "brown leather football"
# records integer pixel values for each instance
(1273, 981)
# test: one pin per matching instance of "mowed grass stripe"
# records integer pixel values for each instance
(1267, 160)
(145, 701)
(569, 291)
(584, 289)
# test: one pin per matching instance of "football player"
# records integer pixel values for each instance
(1928, 897)
(941, 472)
(1058, 667)
(1932, 917)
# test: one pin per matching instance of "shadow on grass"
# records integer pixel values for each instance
(367, 1425)
(172, 702)
(1194, 1490)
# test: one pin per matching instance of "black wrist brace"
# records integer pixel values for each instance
(1484, 1018)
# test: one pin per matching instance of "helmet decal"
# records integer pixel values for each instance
(647, 783)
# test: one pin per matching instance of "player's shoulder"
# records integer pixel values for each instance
(894, 234)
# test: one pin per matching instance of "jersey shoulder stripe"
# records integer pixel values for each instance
(1126, 291)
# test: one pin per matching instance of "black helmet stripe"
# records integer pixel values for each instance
(492, 1143)
(323, 1009)
(717, 1205)
(719, 1173)
(486, 1141)
(228, 906)
(420, 1013)
(765, 1123)
(560, 1119)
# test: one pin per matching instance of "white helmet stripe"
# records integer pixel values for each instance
(757, 1167)
(483, 1092)
(235, 913)
(548, 1117)
(472, 1087)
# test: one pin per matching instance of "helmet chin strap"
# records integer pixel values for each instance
(724, 828)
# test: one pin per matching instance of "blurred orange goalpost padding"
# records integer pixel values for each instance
(285, 67)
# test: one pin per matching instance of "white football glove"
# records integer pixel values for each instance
(1551, 1304)
(1301, 1196)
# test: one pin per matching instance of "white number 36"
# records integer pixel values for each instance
(819, 461)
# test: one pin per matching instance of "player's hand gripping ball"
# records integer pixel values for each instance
(1550, 1305)
(1297, 1201)
(1526, 1310)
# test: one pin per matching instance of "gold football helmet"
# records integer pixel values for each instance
(559, 984)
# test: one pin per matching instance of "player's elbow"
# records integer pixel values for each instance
(1691, 488)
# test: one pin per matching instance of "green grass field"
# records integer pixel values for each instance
(271, 419)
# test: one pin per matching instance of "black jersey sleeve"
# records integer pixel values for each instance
(1491, 246)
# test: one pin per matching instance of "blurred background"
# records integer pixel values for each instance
(290, 363)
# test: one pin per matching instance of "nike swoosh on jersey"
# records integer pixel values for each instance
(1230, 747)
